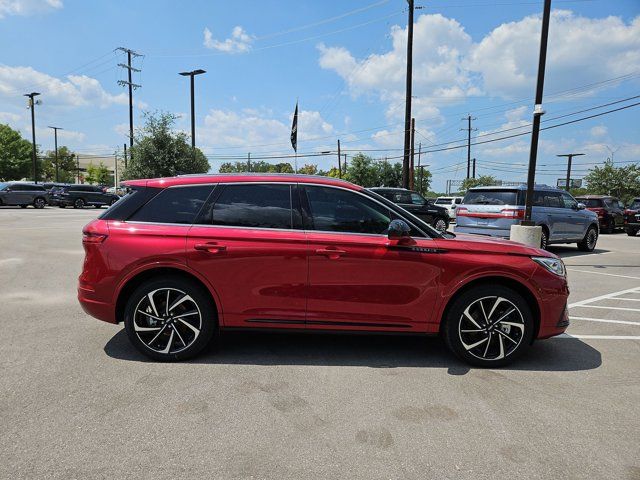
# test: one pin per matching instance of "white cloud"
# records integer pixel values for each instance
(588, 49)
(28, 7)
(239, 42)
(599, 131)
(74, 91)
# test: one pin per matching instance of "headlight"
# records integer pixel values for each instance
(554, 265)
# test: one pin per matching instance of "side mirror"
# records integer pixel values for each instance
(581, 206)
(398, 230)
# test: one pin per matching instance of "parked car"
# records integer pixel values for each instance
(632, 218)
(492, 210)
(436, 216)
(77, 196)
(23, 194)
(49, 186)
(450, 203)
(180, 259)
(610, 211)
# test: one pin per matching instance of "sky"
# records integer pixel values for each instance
(345, 64)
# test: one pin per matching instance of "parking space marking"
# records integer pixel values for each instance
(579, 257)
(602, 273)
(600, 337)
(604, 320)
(610, 308)
(587, 301)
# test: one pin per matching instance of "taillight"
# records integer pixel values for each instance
(512, 213)
(93, 238)
(600, 211)
(462, 211)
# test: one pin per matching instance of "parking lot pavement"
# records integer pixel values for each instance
(76, 401)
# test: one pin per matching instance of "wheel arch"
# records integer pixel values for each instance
(140, 277)
(508, 282)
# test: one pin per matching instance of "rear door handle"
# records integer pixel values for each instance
(209, 247)
(331, 253)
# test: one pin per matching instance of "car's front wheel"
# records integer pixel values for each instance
(544, 239)
(79, 203)
(39, 202)
(588, 243)
(440, 224)
(170, 318)
(489, 326)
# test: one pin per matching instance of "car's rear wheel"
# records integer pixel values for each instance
(489, 326)
(440, 224)
(79, 203)
(23, 206)
(588, 243)
(611, 226)
(631, 232)
(544, 239)
(170, 319)
(39, 202)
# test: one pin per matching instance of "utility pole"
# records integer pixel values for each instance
(55, 140)
(34, 154)
(125, 155)
(537, 113)
(192, 74)
(407, 110)
(115, 170)
(413, 152)
(469, 118)
(474, 168)
(248, 161)
(339, 165)
(420, 175)
(569, 158)
(78, 165)
(130, 54)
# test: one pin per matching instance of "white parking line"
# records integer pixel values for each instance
(628, 299)
(604, 320)
(600, 337)
(602, 273)
(603, 297)
(610, 308)
(578, 257)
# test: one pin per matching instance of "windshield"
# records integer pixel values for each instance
(3, 186)
(443, 201)
(591, 202)
(493, 197)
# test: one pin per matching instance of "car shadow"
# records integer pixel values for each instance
(374, 351)
(572, 251)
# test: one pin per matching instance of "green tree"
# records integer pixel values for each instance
(66, 165)
(159, 151)
(422, 181)
(15, 155)
(481, 181)
(308, 169)
(389, 174)
(362, 171)
(622, 182)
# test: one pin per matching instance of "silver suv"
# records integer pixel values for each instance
(492, 210)
(23, 194)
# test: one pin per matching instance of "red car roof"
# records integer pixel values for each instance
(239, 177)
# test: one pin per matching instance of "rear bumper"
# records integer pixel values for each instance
(98, 309)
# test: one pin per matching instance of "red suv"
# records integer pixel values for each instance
(180, 259)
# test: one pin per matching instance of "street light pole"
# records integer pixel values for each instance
(55, 139)
(537, 113)
(569, 158)
(34, 154)
(192, 74)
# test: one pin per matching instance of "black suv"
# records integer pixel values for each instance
(609, 210)
(632, 218)
(413, 202)
(77, 196)
(23, 194)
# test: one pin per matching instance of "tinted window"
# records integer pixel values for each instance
(417, 199)
(491, 197)
(635, 205)
(568, 201)
(174, 205)
(336, 210)
(258, 206)
(553, 200)
(443, 201)
(592, 202)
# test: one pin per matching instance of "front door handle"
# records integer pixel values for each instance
(330, 253)
(209, 247)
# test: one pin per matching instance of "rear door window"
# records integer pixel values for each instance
(491, 197)
(553, 200)
(174, 205)
(254, 206)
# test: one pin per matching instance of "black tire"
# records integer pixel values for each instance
(151, 343)
(590, 240)
(611, 227)
(489, 346)
(39, 203)
(440, 224)
(631, 232)
(544, 239)
(113, 200)
(78, 203)
(97, 206)
(62, 206)
(23, 206)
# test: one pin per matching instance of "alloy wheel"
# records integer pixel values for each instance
(592, 238)
(440, 225)
(544, 240)
(491, 328)
(167, 320)
(39, 203)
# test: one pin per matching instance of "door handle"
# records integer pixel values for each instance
(209, 247)
(330, 253)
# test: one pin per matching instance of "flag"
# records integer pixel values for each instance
(294, 130)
